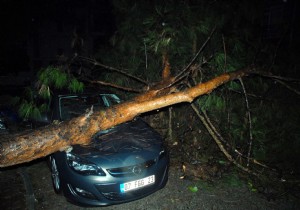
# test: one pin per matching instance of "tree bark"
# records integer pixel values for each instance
(25, 147)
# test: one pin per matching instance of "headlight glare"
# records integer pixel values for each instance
(162, 153)
(82, 166)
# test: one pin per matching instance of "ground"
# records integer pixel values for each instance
(29, 187)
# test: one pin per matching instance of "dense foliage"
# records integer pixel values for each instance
(147, 30)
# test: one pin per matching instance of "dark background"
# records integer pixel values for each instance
(35, 34)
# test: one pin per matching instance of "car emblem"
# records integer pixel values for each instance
(137, 170)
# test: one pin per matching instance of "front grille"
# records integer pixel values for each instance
(131, 170)
(112, 190)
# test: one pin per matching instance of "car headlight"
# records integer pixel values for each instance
(82, 166)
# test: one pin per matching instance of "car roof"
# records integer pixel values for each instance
(86, 92)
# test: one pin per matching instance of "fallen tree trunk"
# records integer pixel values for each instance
(25, 147)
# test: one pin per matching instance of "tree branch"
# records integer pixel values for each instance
(272, 76)
(96, 63)
(183, 73)
(21, 148)
(219, 143)
(288, 86)
(116, 86)
(250, 121)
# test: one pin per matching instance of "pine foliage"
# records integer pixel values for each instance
(146, 30)
(37, 99)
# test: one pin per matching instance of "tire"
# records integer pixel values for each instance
(56, 181)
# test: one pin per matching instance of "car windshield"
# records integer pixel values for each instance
(75, 105)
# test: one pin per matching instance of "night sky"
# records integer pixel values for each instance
(13, 36)
(24, 24)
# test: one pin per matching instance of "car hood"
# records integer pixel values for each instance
(134, 141)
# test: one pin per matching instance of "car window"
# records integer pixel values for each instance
(73, 106)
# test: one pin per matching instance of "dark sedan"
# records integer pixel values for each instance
(124, 163)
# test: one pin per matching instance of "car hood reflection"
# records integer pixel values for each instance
(127, 138)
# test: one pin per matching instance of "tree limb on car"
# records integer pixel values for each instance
(25, 147)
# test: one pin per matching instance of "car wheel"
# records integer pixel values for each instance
(55, 175)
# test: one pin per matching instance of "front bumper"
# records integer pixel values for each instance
(105, 190)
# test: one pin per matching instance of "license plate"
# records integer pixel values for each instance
(127, 186)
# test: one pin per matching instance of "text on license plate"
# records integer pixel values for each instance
(137, 183)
